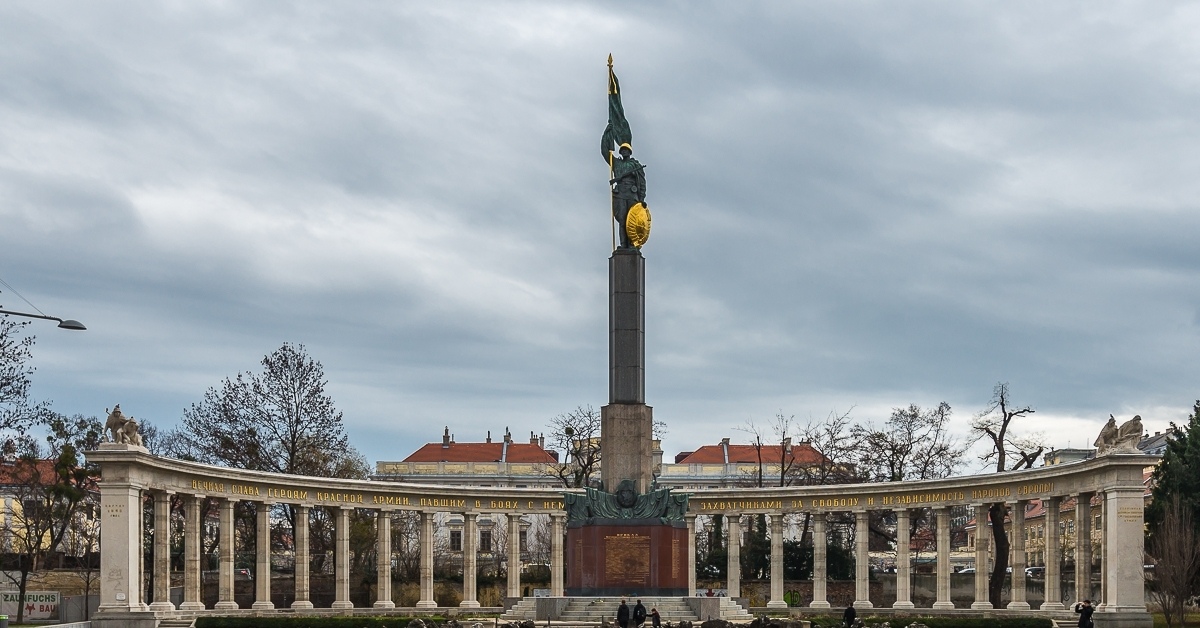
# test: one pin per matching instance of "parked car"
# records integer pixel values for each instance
(1035, 572)
(968, 570)
(239, 573)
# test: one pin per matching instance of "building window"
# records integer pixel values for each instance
(522, 538)
(485, 541)
(456, 540)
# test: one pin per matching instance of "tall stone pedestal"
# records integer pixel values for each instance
(627, 423)
(627, 557)
(627, 441)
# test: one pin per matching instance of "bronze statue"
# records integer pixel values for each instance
(626, 503)
(627, 175)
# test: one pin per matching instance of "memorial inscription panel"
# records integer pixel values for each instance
(627, 559)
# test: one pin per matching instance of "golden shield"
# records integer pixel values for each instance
(637, 225)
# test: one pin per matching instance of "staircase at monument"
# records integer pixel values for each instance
(591, 610)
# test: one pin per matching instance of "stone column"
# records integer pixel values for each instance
(162, 552)
(1053, 556)
(262, 545)
(191, 554)
(514, 555)
(141, 576)
(341, 559)
(470, 545)
(1018, 603)
(862, 564)
(1106, 512)
(225, 599)
(690, 520)
(819, 561)
(1083, 547)
(733, 555)
(557, 527)
(426, 600)
(982, 534)
(776, 601)
(1123, 553)
(303, 560)
(383, 559)
(943, 559)
(903, 560)
(121, 538)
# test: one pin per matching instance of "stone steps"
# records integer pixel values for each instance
(671, 609)
(525, 609)
(594, 610)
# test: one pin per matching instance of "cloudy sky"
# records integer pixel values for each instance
(857, 206)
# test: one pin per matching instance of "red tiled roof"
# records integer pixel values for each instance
(18, 473)
(480, 452)
(802, 454)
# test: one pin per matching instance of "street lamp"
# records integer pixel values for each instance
(64, 324)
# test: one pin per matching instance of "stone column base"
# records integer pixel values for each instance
(469, 604)
(263, 606)
(776, 604)
(124, 620)
(341, 604)
(1018, 606)
(384, 604)
(944, 606)
(821, 604)
(981, 606)
(426, 604)
(1123, 619)
(863, 604)
(903, 605)
(162, 606)
(1052, 606)
(191, 606)
(226, 606)
(302, 604)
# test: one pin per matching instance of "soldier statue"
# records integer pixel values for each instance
(627, 175)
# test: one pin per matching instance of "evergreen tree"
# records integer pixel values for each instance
(1179, 472)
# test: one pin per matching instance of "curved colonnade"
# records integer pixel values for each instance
(128, 472)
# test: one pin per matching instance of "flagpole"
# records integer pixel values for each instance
(611, 223)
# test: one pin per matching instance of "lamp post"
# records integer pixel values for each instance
(64, 324)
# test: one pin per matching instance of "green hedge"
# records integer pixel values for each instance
(829, 621)
(333, 621)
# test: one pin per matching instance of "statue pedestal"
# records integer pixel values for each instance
(610, 557)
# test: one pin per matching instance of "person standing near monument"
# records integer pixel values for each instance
(655, 619)
(639, 614)
(1085, 610)
(623, 615)
(627, 176)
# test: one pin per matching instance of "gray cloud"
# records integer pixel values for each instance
(856, 205)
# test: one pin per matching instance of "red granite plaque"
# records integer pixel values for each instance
(614, 558)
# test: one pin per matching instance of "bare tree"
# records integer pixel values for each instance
(832, 438)
(993, 426)
(16, 410)
(915, 443)
(1175, 546)
(577, 435)
(280, 420)
(82, 541)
